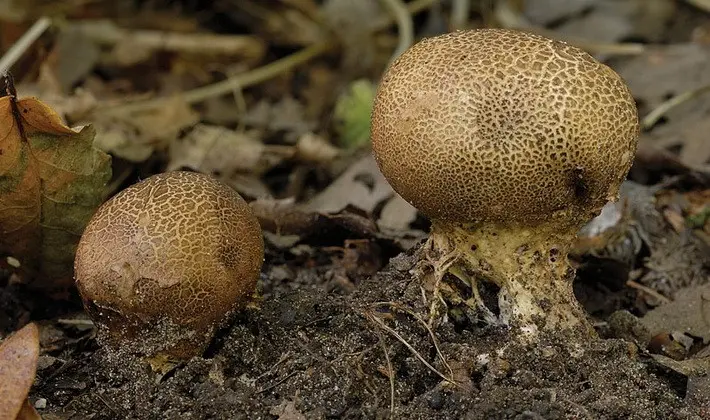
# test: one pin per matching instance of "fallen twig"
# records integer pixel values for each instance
(647, 290)
(107, 33)
(241, 81)
(404, 24)
(377, 321)
(700, 4)
(460, 10)
(426, 326)
(652, 117)
(390, 370)
(22, 44)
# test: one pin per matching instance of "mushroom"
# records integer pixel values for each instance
(165, 262)
(509, 142)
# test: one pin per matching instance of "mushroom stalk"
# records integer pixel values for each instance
(528, 263)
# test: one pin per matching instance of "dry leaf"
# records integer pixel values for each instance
(18, 364)
(76, 57)
(696, 145)
(688, 312)
(136, 136)
(615, 20)
(397, 214)
(361, 185)
(51, 182)
(74, 107)
(681, 68)
(286, 115)
(214, 149)
(122, 140)
(284, 217)
(28, 412)
(289, 23)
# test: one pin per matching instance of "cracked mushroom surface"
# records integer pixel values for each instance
(165, 262)
(509, 142)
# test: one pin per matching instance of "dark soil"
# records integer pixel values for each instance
(314, 351)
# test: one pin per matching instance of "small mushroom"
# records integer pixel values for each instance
(165, 262)
(509, 142)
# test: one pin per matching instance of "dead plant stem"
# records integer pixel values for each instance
(390, 370)
(405, 26)
(460, 10)
(23, 44)
(401, 339)
(652, 118)
(408, 311)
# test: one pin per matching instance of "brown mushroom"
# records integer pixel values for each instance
(509, 142)
(165, 262)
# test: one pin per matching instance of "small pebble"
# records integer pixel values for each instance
(436, 400)
(41, 403)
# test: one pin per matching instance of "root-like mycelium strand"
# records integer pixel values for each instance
(528, 264)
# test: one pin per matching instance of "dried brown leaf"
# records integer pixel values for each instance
(51, 181)
(18, 364)
(214, 149)
(28, 412)
(659, 74)
(135, 137)
(362, 185)
(696, 144)
(287, 115)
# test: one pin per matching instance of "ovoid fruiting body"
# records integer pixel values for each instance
(502, 125)
(167, 260)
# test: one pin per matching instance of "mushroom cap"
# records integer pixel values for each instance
(501, 125)
(178, 247)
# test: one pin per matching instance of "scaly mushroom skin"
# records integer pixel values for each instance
(166, 261)
(509, 142)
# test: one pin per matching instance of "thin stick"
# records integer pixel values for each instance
(591, 46)
(80, 322)
(241, 81)
(652, 118)
(700, 4)
(22, 44)
(408, 311)
(460, 10)
(401, 339)
(647, 290)
(279, 382)
(107, 33)
(405, 26)
(390, 370)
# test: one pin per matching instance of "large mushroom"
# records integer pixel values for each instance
(165, 262)
(509, 142)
